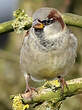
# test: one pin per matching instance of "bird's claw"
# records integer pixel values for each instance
(62, 83)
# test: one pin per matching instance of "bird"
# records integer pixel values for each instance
(49, 49)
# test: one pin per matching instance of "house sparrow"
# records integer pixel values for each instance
(49, 48)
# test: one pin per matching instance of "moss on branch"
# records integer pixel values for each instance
(23, 21)
(49, 96)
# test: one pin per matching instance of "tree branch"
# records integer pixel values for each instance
(6, 27)
(49, 95)
(70, 19)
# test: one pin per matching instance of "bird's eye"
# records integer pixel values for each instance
(44, 22)
(48, 21)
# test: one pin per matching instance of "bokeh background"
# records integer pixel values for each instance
(11, 78)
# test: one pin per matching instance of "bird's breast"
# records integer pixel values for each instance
(48, 64)
(44, 65)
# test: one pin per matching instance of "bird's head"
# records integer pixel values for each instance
(47, 20)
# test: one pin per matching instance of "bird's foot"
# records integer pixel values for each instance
(62, 83)
(28, 92)
(30, 89)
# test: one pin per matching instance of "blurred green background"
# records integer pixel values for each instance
(11, 78)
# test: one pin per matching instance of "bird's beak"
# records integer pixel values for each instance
(38, 26)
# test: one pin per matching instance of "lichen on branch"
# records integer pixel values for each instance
(18, 104)
(49, 96)
(21, 20)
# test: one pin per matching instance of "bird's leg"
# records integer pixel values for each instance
(62, 83)
(28, 88)
(27, 77)
(28, 91)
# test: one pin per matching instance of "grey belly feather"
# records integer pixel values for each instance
(47, 64)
